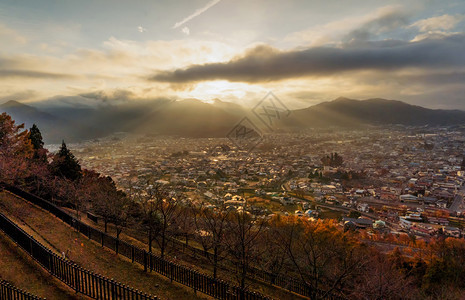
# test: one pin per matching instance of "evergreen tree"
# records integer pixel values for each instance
(36, 137)
(65, 164)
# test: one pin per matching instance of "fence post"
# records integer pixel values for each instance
(195, 282)
(132, 254)
(50, 262)
(145, 261)
(76, 278)
(112, 288)
(171, 271)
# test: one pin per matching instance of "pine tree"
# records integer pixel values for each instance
(65, 164)
(36, 137)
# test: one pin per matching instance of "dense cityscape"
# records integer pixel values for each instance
(403, 180)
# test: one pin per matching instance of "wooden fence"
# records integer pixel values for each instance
(81, 280)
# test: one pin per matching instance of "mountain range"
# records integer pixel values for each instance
(193, 118)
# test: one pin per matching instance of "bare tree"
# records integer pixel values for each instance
(242, 239)
(71, 193)
(149, 219)
(161, 209)
(186, 223)
(210, 227)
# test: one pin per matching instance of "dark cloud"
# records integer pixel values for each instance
(32, 74)
(449, 78)
(265, 63)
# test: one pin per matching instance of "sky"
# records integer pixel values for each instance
(305, 52)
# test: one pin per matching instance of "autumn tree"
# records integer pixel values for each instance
(324, 257)
(39, 175)
(107, 201)
(15, 151)
(446, 267)
(381, 278)
(275, 244)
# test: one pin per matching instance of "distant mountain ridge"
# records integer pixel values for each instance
(194, 118)
(54, 127)
(377, 111)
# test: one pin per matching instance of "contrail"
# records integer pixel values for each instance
(197, 13)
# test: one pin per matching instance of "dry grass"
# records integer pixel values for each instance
(49, 229)
(19, 269)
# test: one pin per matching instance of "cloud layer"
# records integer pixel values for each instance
(265, 63)
(306, 52)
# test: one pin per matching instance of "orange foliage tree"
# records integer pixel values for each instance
(15, 151)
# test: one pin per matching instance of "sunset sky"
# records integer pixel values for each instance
(304, 51)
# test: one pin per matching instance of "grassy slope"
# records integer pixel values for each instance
(87, 253)
(19, 269)
(200, 264)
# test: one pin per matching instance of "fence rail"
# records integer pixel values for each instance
(206, 284)
(9, 291)
(286, 282)
(81, 280)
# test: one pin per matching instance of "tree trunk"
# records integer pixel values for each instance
(244, 273)
(150, 240)
(106, 222)
(215, 261)
(163, 240)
